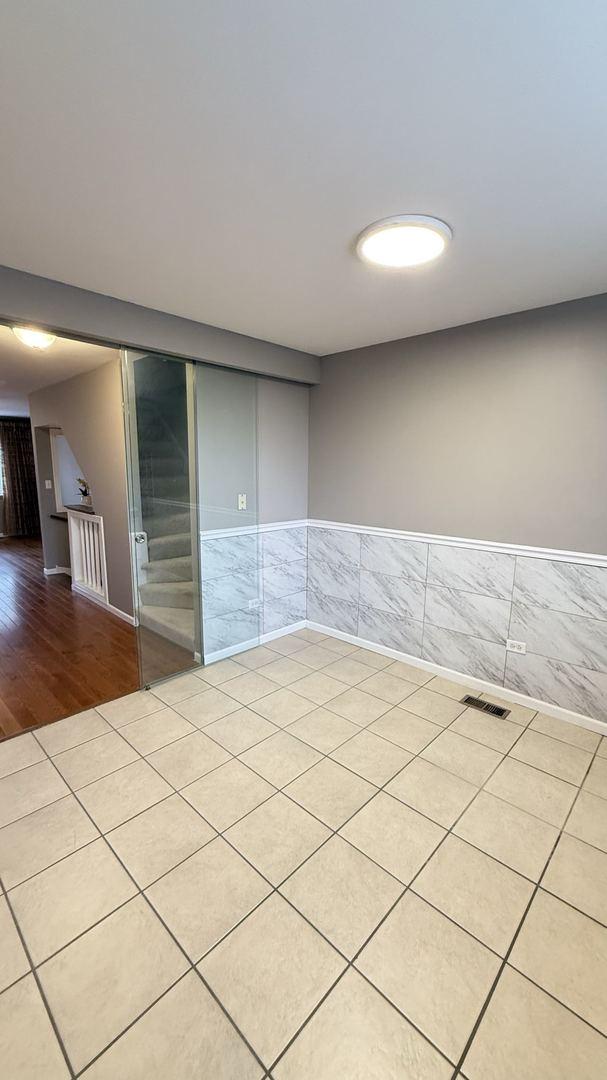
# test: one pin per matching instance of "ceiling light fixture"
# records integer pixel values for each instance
(406, 240)
(36, 339)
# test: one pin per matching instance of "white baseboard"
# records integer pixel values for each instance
(57, 570)
(101, 602)
(467, 680)
(224, 654)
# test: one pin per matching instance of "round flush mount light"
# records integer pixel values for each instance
(403, 241)
(36, 339)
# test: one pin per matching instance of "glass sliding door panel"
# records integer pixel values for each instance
(161, 440)
(230, 559)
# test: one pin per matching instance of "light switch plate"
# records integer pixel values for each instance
(242, 502)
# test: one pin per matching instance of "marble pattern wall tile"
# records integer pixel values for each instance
(481, 616)
(461, 652)
(229, 631)
(232, 592)
(284, 611)
(392, 631)
(576, 688)
(570, 587)
(333, 578)
(576, 639)
(283, 579)
(391, 555)
(328, 611)
(332, 545)
(284, 545)
(385, 592)
(489, 573)
(229, 555)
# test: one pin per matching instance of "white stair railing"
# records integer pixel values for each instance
(87, 552)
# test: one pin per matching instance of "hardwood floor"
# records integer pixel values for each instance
(59, 652)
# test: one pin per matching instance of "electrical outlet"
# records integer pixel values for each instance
(242, 502)
(254, 605)
(516, 646)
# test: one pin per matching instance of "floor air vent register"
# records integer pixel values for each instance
(485, 706)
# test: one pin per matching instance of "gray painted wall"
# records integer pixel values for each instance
(31, 299)
(283, 427)
(496, 431)
(55, 542)
(88, 408)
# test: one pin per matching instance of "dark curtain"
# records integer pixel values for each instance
(21, 517)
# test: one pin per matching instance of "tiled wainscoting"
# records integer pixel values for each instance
(451, 603)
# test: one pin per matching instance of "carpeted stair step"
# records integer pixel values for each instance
(176, 569)
(167, 594)
(170, 547)
(176, 624)
(166, 524)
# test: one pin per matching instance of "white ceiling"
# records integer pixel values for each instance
(23, 370)
(216, 160)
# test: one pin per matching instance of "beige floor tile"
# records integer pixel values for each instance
(602, 750)
(318, 687)
(204, 708)
(184, 761)
(348, 671)
(287, 645)
(83, 764)
(490, 730)
(438, 708)
(527, 1035)
(552, 756)
(518, 714)
(508, 833)
(283, 707)
(409, 672)
(405, 729)
(219, 672)
(33, 843)
(565, 953)
(468, 759)
(270, 973)
(483, 896)
(183, 1029)
(577, 873)
(315, 656)
(62, 902)
(393, 835)
(311, 636)
(388, 687)
(368, 657)
(284, 670)
(432, 970)
(94, 993)
(439, 795)
(13, 961)
(155, 841)
(359, 707)
(152, 732)
(240, 730)
(131, 707)
(277, 837)
(18, 753)
(280, 758)
(205, 896)
(540, 794)
(30, 1049)
(587, 821)
(596, 781)
(566, 732)
(357, 1035)
(345, 648)
(330, 792)
(120, 796)
(255, 658)
(450, 689)
(180, 688)
(249, 687)
(29, 789)
(227, 794)
(342, 893)
(65, 734)
(323, 730)
(377, 760)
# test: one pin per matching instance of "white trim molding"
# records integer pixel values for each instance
(48, 571)
(100, 602)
